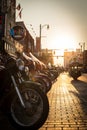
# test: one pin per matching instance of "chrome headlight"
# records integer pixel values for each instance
(20, 64)
(21, 67)
(27, 70)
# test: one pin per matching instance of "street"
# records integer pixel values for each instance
(68, 105)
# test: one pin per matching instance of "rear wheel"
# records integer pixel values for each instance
(36, 111)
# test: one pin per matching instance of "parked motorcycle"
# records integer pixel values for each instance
(23, 102)
(38, 76)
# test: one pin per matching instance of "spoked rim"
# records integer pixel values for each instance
(33, 111)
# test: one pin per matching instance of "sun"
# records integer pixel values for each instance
(62, 41)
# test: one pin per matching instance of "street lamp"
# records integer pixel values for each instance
(82, 45)
(41, 27)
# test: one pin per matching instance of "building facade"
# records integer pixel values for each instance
(8, 8)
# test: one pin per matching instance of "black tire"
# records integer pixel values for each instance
(43, 85)
(36, 112)
(75, 78)
(47, 80)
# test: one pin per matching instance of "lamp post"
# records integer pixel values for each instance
(41, 27)
(82, 45)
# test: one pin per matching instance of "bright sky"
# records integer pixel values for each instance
(67, 20)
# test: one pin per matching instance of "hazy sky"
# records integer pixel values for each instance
(67, 20)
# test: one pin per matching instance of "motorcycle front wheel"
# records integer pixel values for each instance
(36, 110)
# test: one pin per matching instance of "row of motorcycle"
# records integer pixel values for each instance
(24, 84)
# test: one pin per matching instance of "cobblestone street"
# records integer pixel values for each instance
(68, 104)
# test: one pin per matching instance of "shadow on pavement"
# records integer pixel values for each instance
(81, 87)
(81, 94)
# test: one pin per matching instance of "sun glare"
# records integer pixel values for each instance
(58, 57)
(62, 41)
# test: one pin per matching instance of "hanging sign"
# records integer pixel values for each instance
(17, 32)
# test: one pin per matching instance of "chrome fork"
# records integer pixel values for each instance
(18, 92)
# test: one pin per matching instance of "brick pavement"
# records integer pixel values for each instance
(68, 105)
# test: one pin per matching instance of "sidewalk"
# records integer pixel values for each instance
(68, 105)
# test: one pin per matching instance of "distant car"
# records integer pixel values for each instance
(75, 70)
